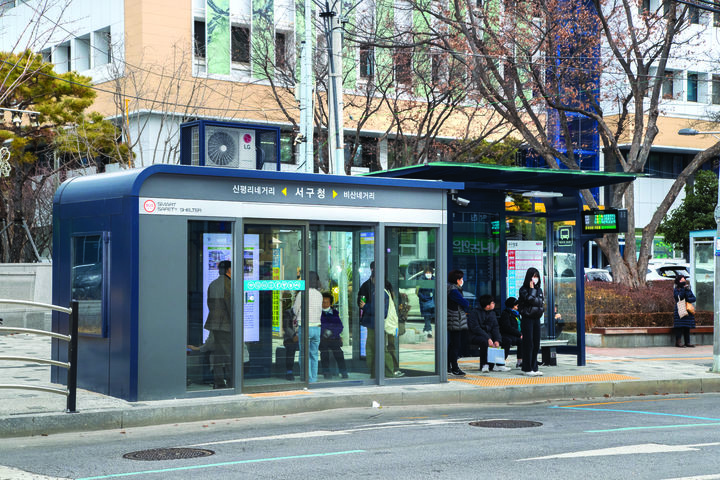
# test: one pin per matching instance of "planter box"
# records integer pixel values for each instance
(631, 337)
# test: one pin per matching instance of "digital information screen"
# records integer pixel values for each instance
(601, 221)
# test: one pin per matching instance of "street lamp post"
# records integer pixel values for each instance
(716, 301)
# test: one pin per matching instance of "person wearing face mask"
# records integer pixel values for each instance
(457, 323)
(331, 327)
(531, 307)
(683, 325)
(426, 297)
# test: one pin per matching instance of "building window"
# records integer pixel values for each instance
(692, 87)
(102, 48)
(644, 7)
(694, 14)
(280, 50)
(240, 38)
(716, 89)
(82, 53)
(716, 14)
(403, 66)
(667, 86)
(437, 68)
(367, 62)
(199, 39)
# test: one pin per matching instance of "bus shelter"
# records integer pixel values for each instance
(507, 219)
(205, 281)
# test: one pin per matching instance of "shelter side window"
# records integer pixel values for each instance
(89, 274)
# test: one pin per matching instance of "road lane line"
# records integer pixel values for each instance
(222, 464)
(7, 473)
(286, 436)
(713, 476)
(639, 412)
(652, 427)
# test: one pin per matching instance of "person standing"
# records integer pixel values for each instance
(683, 325)
(219, 324)
(315, 301)
(457, 307)
(531, 305)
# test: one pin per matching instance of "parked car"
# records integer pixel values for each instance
(597, 275)
(666, 272)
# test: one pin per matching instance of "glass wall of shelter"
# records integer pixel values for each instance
(702, 267)
(257, 282)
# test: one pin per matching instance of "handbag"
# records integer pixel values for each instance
(682, 308)
(690, 308)
(496, 356)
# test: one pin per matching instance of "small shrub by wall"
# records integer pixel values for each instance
(613, 305)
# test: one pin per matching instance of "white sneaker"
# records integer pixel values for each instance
(502, 368)
(538, 374)
(486, 368)
(529, 374)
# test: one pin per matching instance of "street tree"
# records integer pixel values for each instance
(696, 211)
(554, 69)
(35, 158)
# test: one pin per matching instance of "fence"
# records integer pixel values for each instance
(71, 365)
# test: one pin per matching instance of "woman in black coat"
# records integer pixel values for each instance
(532, 306)
(683, 325)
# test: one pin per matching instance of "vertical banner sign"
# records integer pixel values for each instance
(251, 271)
(276, 305)
(217, 42)
(216, 248)
(521, 255)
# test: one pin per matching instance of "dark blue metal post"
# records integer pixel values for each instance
(72, 358)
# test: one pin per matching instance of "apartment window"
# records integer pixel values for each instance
(716, 89)
(436, 68)
(240, 38)
(367, 61)
(694, 14)
(692, 87)
(716, 14)
(102, 48)
(280, 50)
(46, 56)
(403, 66)
(667, 86)
(644, 7)
(82, 53)
(199, 39)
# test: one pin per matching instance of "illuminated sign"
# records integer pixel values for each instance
(600, 222)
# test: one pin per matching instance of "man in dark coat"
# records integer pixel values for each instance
(219, 324)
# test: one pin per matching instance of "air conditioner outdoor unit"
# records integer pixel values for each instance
(230, 147)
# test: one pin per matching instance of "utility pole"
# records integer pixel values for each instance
(333, 38)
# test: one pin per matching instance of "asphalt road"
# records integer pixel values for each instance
(666, 437)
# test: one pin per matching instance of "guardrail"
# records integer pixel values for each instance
(71, 365)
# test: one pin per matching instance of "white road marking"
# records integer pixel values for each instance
(9, 473)
(330, 433)
(644, 448)
(714, 476)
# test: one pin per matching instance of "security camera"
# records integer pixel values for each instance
(463, 202)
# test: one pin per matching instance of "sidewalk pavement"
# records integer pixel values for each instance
(608, 373)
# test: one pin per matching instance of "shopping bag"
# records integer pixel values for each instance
(496, 356)
(682, 308)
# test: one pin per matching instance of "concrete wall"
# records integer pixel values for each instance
(26, 281)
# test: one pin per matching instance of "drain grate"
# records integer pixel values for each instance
(168, 454)
(505, 424)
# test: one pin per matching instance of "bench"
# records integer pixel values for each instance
(548, 350)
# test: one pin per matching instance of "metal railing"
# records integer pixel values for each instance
(71, 365)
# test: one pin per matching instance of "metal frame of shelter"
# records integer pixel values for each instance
(486, 187)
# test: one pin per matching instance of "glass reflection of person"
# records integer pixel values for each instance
(330, 341)
(391, 324)
(219, 324)
(426, 297)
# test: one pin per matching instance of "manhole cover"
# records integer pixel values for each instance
(168, 454)
(505, 424)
